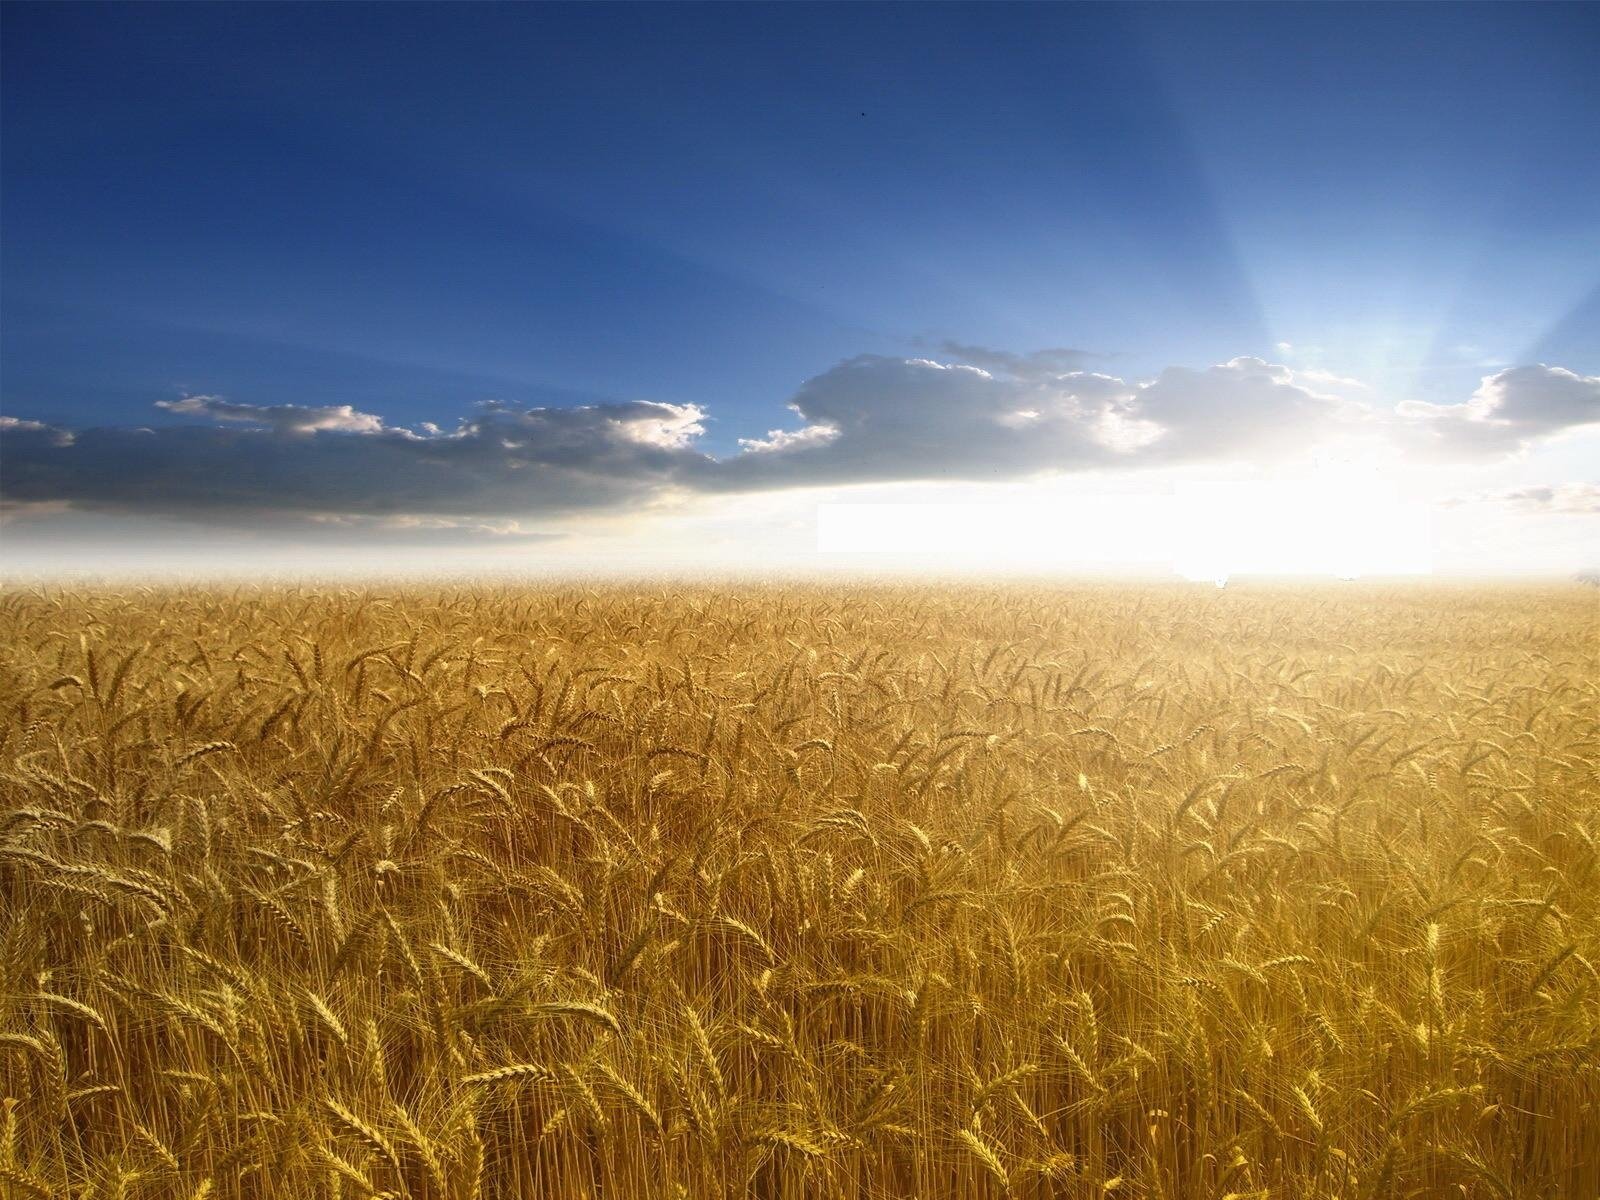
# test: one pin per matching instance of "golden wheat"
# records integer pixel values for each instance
(893, 890)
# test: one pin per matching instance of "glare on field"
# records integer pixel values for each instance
(1347, 529)
(1331, 524)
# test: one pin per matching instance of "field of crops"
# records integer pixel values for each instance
(832, 891)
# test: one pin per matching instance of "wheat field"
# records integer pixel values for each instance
(827, 890)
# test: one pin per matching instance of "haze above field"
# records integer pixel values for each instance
(1294, 289)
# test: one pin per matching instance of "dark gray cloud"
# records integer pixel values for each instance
(1510, 410)
(874, 419)
(339, 462)
(869, 419)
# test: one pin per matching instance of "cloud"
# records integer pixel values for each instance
(1561, 498)
(1040, 364)
(15, 512)
(1243, 408)
(1510, 410)
(873, 419)
(412, 530)
(14, 427)
(869, 419)
(282, 418)
(1329, 379)
(778, 440)
(291, 459)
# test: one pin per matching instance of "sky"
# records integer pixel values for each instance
(568, 287)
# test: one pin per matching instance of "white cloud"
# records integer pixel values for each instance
(1040, 364)
(1510, 410)
(283, 418)
(1329, 379)
(789, 439)
(664, 426)
(15, 426)
(1243, 408)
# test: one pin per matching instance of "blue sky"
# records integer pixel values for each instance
(410, 210)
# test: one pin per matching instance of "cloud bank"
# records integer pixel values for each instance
(320, 462)
(978, 414)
